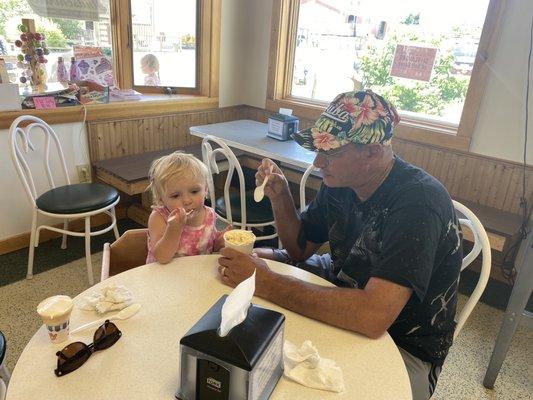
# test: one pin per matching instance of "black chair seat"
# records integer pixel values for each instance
(2, 347)
(256, 213)
(77, 198)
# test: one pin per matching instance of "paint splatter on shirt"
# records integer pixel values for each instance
(406, 232)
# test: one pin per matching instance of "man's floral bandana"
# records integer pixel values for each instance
(358, 117)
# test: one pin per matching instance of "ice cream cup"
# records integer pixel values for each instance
(55, 313)
(240, 240)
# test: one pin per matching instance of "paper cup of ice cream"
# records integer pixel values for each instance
(240, 240)
(55, 313)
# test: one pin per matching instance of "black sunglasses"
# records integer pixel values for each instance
(75, 354)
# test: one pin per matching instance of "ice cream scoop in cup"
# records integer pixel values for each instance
(240, 240)
(55, 313)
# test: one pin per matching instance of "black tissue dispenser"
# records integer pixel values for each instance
(246, 364)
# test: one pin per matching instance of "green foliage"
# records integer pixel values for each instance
(10, 9)
(431, 97)
(72, 29)
(53, 35)
(412, 19)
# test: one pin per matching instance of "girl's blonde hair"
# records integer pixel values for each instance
(150, 61)
(177, 164)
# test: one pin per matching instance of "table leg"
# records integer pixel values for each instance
(513, 314)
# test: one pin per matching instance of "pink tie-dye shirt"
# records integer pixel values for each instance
(194, 240)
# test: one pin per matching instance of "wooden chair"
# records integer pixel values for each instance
(129, 251)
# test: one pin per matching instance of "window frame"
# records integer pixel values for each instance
(207, 51)
(204, 97)
(281, 65)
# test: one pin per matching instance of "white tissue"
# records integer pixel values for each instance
(305, 366)
(108, 298)
(285, 111)
(235, 308)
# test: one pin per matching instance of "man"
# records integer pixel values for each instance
(394, 238)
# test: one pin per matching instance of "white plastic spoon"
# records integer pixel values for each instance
(123, 314)
(259, 191)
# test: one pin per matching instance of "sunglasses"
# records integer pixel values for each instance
(75, 354)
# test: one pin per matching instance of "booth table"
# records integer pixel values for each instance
(144, 363)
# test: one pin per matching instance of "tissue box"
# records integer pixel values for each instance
(281, 126)
(245, 364)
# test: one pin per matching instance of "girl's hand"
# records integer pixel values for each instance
(219, 241)
(177, 218)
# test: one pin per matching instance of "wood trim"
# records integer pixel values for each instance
(22, 240)
(480, 71)
(151, 106)
(281, 53)
(122, 48)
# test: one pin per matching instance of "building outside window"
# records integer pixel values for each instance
(417, 53)
(164, 42)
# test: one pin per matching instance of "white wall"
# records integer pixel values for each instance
(14, 206)
(499, 131)
(245, 40)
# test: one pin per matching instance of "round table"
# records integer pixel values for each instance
(144, 363)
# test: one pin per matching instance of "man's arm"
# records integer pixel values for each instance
(369, 311)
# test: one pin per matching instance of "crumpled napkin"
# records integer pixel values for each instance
(108, 298)
(305, 366)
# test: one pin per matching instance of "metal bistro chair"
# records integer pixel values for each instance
(481, 245)
(239, 210)
(4, 372)
(67, 202)
(129, 251)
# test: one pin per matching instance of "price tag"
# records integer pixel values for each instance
(44, 102)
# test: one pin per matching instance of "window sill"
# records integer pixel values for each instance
(407, 130)
(149, 105)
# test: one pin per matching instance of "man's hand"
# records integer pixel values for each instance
(235, 267)
(277, 185)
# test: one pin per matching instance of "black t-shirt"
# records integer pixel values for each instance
(406, 232)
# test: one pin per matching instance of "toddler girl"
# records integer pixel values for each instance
(180, 224)
(150, 67)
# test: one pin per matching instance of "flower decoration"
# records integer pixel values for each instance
(33, 50)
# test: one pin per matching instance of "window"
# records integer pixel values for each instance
(164, 42)
(426, 59)
(150, 45)
(69, 31)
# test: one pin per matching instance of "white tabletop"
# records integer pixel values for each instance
(250, 136)
(144, 363)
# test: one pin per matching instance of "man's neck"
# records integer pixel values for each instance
(367, 189)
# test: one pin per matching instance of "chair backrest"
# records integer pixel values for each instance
(303, 184)
(481, 245)
(209, 156)
(20, 144)
(129, 251)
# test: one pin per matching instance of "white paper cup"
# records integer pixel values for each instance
(240, 240)
(55, 313)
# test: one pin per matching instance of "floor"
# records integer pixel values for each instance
(461, 377)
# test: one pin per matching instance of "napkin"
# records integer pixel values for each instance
(236, 306)
(107, 298)
(305, 366)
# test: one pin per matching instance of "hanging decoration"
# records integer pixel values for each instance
(32, 58)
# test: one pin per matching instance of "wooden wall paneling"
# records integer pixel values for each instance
(516, 178)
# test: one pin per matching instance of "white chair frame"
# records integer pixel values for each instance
(23, 170)
(303, 183)
(481, 245)
(209, 157)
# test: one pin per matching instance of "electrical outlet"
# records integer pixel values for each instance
(84, 173)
